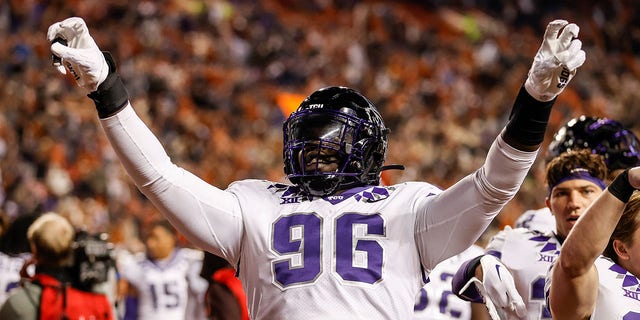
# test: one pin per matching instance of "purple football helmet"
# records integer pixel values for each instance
(334, 125)
(609, 138)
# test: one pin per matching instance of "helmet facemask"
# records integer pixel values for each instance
(327, 150)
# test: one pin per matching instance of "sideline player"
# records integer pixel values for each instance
(167, 279)
(618, 145)
(511, 275)
(586, 283)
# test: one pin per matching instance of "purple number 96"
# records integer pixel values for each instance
(299, 238)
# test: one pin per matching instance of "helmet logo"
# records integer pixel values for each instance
(316, 106)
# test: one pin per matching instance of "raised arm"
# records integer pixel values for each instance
(574, 279)
(206, 215)
(468, 207)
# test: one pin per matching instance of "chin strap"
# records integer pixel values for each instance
(392, 167)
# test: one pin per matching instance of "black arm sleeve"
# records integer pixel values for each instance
(528, 121)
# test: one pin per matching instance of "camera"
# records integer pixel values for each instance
(93, 258)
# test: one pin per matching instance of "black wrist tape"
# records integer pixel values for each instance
(528, 119)
(621, 188)
(111, 96)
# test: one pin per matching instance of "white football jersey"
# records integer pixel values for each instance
(618, 292)
(528, 255)
(10, 273)
(338, 254)
(436, 301)
(164, 286)
(540, 220)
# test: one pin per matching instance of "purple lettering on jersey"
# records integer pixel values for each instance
(631, 294)
(423, 301)
(631, 316)
(305, 240)
(537, 293)
(345, 251)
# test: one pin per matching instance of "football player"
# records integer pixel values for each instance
(586, 283)
(436, 299)
(167, 279)
(517, 260)
(326, 245)
(14, 254)
(609, 138)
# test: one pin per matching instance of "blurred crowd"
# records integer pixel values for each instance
(215, 79)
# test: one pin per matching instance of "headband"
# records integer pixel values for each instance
(581, 174)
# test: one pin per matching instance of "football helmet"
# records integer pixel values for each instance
(335, 140)
(609, 138)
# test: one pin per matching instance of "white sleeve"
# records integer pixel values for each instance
(197, 284)
(128, 267)
(451, 221)
(207, 216)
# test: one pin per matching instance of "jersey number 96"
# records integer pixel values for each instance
(299, 236)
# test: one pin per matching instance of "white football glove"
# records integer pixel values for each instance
(81, 56)
(491, 308)
(556, 62)
(500, 288)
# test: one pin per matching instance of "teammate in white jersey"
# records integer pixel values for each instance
(167, 279)
(14, 253)
(436, 300)
(584, 283)
(619, 147)
(512, 273)
(329, 244)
